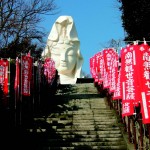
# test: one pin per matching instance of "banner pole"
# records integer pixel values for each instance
(33, 88)
(20, 112)
(8, 84)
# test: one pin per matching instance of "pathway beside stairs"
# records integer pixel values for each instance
(78, 119)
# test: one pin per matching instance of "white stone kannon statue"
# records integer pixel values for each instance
(63, 46)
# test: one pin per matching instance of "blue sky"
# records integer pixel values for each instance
(97, 22)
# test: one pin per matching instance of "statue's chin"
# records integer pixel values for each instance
(65, 72)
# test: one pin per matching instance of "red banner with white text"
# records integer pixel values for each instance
(4, 64)
(26, 73)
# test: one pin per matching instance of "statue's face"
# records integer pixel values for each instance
(65, 58)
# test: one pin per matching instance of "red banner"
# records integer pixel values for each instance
(49, 69)
(17, 79)
(144, 80)
(97, 55)
(101, 68)
(132, 82)
(4, 75)
(118, 91)
(107, 62)
(111, 68)
(94, 67)
(114, 71)
(26, 74)
(128, 82)
(17, 75)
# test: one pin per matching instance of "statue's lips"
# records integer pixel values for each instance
(63, 64)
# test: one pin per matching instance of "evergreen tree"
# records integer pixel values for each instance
(136, 19)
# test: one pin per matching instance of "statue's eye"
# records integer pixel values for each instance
(56, 54)
(71, 53)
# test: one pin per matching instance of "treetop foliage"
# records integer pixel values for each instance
(19, 22)
(135, 19)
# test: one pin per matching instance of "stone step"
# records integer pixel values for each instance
(58, 121)
(58, 148)
(92, 136)
(110, 142)
(69, 142)
(100, 134)
(88, 129)
(102, 114)
(89, 133)
(87, 110)
(80, 122)
(77, 134)
(99, 111)
(80, 117)
(100, 127)
(96, 121)
(82, 125)
(85, 117)
(84, 146)
(95, 117)
(78, 128)
(116, 144)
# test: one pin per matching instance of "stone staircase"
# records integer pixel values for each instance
(76, 118)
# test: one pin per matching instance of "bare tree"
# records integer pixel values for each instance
(19, 19)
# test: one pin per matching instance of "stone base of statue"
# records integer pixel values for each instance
(67, 80)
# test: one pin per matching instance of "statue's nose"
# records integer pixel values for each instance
(63, 57)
